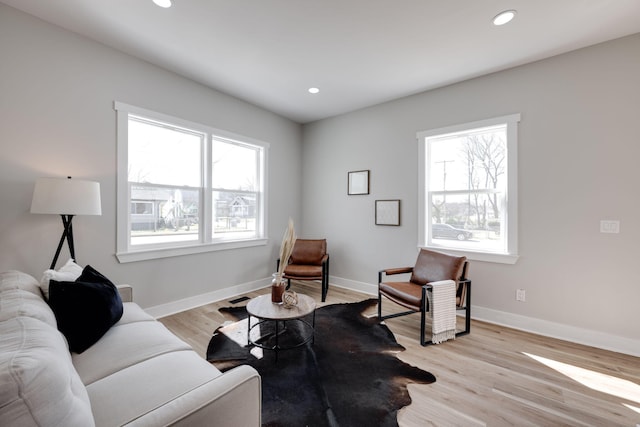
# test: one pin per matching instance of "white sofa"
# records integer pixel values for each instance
(137, 374)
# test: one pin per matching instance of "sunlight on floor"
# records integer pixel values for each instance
(595, 380)
(633, 408)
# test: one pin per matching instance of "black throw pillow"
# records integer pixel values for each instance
(85, 309)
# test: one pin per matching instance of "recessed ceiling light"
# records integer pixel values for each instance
(314, 90)
(504, 17)
(163, 3)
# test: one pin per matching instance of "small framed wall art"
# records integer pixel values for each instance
(358, 182)
(387, 212)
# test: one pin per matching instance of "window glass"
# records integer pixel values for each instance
(162, 154)
(234, 166)
(185, 185)
(235, 180)
(467, 188)
(165, 175)
(468, 184)
(234, 212)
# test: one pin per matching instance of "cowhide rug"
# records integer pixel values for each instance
(349, 376)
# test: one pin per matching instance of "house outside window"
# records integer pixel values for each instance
(468, 189)
(235, 191)
(189, 188)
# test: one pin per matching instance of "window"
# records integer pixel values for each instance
(189, 188)
(468, 189)
(235, 191)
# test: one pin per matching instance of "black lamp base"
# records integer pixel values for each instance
(68, 235)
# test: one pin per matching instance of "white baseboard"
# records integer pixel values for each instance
(173, 307)
(529, 324)
(365, 288)
(558, 330)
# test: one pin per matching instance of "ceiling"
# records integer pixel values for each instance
(357, 52)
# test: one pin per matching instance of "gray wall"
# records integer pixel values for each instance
(578, 147)
(578, 155)
(57, 119)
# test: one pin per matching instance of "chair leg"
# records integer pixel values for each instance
(423, 318)
(325, 288)
(325, 280)
(467, 312)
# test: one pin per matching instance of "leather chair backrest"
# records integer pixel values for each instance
(432, 266)
(308, 251)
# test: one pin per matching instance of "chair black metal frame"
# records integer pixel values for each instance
(424, 305)
(324, 276)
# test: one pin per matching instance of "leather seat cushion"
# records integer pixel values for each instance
(294, 271)
(404, 293)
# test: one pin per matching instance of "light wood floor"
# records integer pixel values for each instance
(494, 376)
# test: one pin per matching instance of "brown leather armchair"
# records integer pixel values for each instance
(309, 261)
(431, 266)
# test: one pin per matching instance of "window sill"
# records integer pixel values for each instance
(478, 256)
(147, 254)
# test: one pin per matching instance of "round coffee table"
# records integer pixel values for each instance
(266, 311)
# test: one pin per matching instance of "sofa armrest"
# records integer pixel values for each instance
(126, 293)
(230, 400)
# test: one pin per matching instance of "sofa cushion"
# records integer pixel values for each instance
(144, 387)
(85, 309)
(133, 313)
(67, 273)
(20, 303)
(20, 296)
(12, 280)
(125, 345)
(39, 383)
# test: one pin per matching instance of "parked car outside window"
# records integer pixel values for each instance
(446, 231)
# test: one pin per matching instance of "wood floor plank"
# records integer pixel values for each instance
(495, 376)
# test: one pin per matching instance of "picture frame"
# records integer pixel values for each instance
(388, 212)
(358, 182)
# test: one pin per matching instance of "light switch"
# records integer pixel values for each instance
(609, 226)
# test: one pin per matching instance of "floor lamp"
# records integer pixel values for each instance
(67, 198)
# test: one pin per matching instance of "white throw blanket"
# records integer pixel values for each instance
(442, 307)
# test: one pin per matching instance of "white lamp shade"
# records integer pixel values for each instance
(66, 196)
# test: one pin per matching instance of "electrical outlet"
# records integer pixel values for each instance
(610, 226)
(520, 295)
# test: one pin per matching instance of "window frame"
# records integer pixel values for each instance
(510, 255)
(125, 252)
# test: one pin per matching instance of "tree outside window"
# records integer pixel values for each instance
(468, 187)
